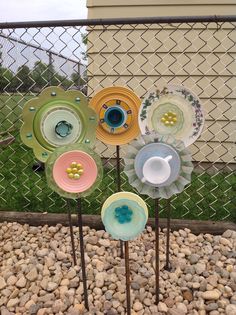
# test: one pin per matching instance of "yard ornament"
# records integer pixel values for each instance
(74, 171)
(158, 166)
(117, 109)
(124, 215)
(57, 118)
(174, 111)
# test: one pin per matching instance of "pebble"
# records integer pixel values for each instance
(61, 255)
(162, 307)
(211, 295)
(32, 275)
(12, 302)
(37, 276)
(230, 309)
(137, 306)
(2, 283)
(21, 283)
(194, 258)
(187, 295)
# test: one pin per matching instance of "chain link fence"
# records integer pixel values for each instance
(141, 56)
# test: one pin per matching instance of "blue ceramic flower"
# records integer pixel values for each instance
(124, 218)
(123, 214)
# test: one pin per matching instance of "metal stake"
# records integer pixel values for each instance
(168, 266)
(81, 242)
(156, 209)
(118, 181)
(127, 275)
(71, 232)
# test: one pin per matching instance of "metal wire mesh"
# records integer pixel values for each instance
(201, 56)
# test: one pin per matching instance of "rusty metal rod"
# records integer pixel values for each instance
(157, 236)
(71, 232)
(167, 265)
(127, 275)
(118, 182)
(81, 242)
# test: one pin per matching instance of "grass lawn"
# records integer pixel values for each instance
(209, 197)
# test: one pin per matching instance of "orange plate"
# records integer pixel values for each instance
(124, 95)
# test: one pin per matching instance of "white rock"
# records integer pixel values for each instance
(42, 252)
(230, 309)
(225, 241)
(12, 302)
(21, 283)
(71, 274)
(61, 255)
(138, 306)
(200, 268)
(182, 307)
(11, 280)
(211, 295)
(2, 283)
(162, 307)
(99, 279)
(32, 275)
(105, 242)
(51, 286)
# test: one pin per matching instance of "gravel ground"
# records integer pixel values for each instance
(37, 275)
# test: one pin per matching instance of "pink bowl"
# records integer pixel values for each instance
(86, 180)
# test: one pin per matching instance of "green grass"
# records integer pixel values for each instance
(11, 109)
(209, 197)
(21, 189)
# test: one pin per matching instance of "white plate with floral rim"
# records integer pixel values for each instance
(175, 111)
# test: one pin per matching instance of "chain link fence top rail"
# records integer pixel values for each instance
(198, 53)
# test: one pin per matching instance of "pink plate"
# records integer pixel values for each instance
(86, 180)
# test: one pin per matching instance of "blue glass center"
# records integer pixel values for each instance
(114, 117)
(123, 214)
(63, 128)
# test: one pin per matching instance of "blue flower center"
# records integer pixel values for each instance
(123, 214)
(115, 116)
(63, 128)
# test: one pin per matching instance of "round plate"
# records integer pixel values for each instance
(129, 228)
(49, 121)
(56, 118)
(162, 150)
(125, 195)
(176, 111)
(72, 185)
(117, 109)
(74, 171)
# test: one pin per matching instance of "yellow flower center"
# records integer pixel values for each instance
(169, 119)
(75, 170)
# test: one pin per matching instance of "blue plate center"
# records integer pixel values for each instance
(123, 214)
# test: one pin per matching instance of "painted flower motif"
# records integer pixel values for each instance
(83, 175)
(117, 109)
(124, 215)
(173, 111)
(57, 118)
(158, 166)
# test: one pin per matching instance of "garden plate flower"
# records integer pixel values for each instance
(174, 111)
(158, 166)
(56, 118)
(117, 109)
(74, 171)
(124, 215)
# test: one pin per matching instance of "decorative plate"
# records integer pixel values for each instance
(57, 118)
(176, 111)
(117, 109)
(74, 171)
(158, 166)
(124, 215)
